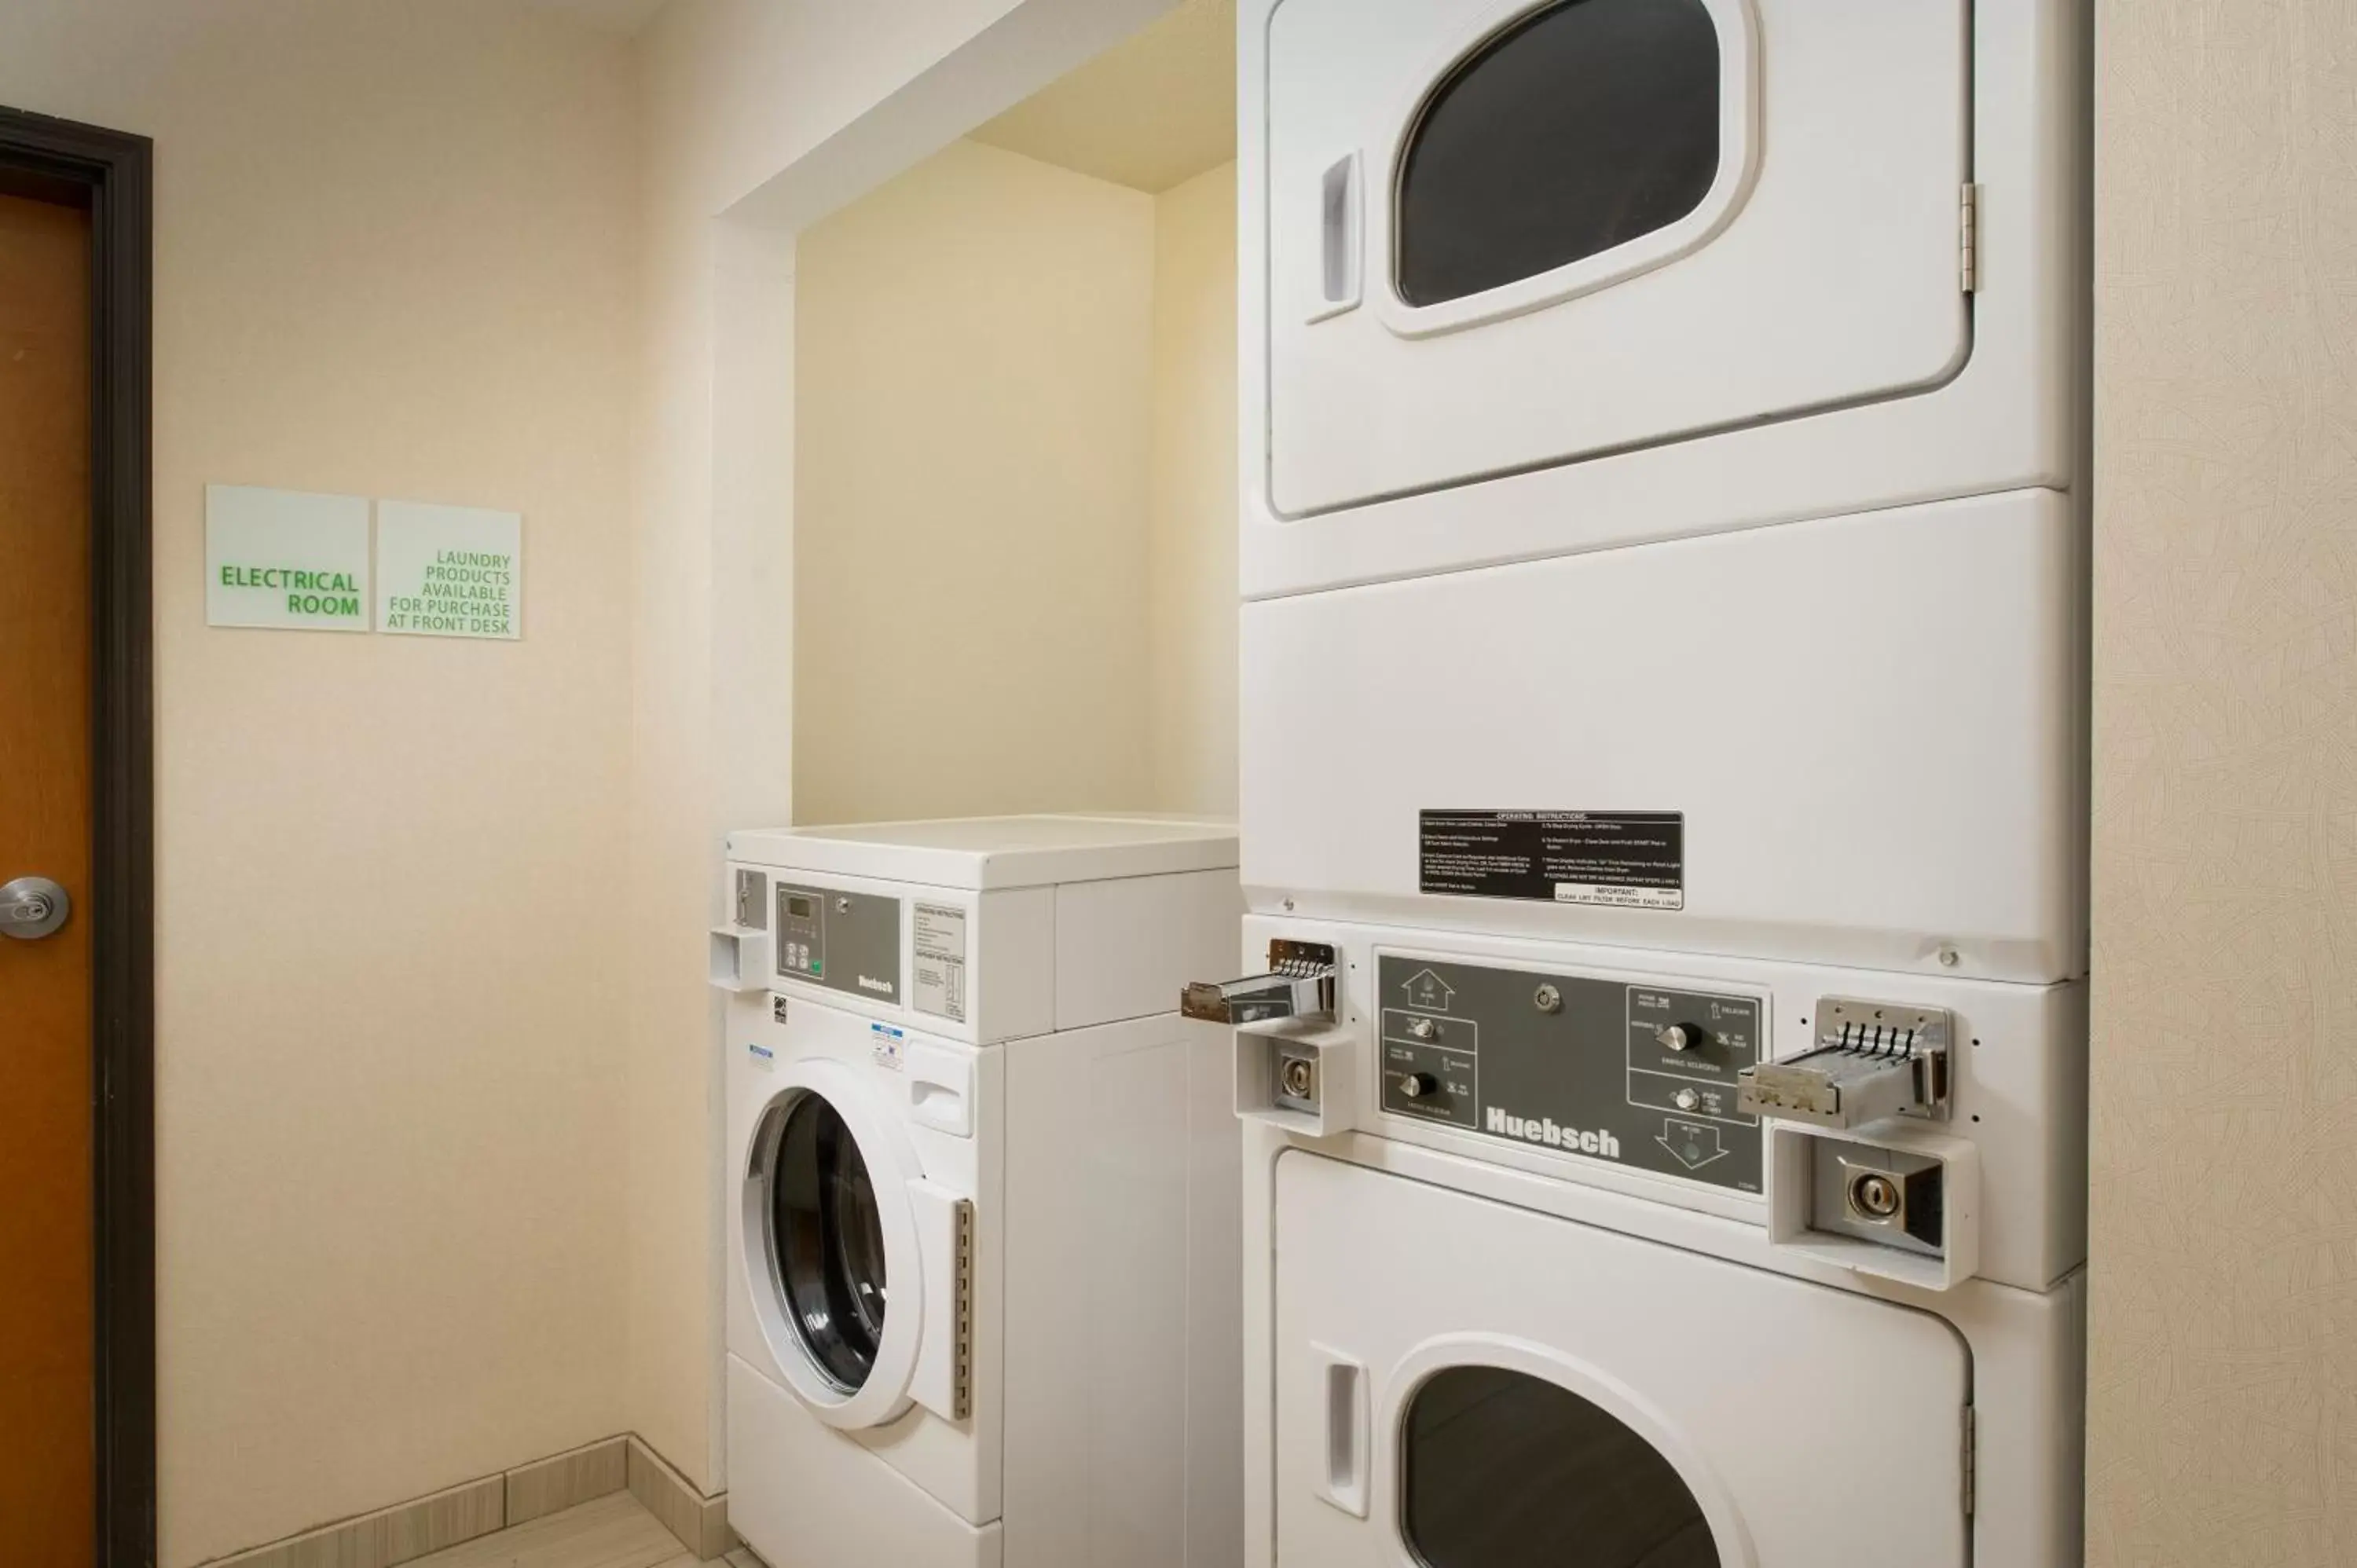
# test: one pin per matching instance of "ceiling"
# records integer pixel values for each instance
(606, 15)
(1154, 110)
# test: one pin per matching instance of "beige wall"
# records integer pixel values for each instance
(1191, 560)
(394, 256)
(974, 376)
(2223, 1418)
(1014, 495)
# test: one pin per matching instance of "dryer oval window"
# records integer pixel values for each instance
(1500, 1469)
(1575, 130)
(826, 1242)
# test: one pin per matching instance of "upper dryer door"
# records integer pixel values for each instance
(1505, 236)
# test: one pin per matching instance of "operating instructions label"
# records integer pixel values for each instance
(940, 961)
(1633, 860)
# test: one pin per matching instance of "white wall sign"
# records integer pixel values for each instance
(286, 558)
(448, 571)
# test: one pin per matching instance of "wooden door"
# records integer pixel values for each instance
(47, 1467)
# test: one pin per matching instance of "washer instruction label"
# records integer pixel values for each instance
(1633, 860)
(940, 961)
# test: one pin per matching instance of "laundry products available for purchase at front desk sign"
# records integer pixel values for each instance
(448, 571)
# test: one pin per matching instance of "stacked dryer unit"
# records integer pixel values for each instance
(983, 1196)
(1663, 791)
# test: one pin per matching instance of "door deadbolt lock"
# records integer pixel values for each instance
(32, 907)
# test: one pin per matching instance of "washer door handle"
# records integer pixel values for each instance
(32, 906)
(1342, 1385)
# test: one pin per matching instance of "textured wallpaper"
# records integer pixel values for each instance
(2224, 1414)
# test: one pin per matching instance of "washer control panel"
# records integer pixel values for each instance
(1636, 1075)
(843, 940)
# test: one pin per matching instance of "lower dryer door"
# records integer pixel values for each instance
(1464, 1384)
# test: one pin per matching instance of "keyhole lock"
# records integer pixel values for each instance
(31, 907)
(1874, 1197)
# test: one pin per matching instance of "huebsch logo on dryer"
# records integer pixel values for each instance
(1543, 1130)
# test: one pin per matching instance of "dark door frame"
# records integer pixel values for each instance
(109, 172)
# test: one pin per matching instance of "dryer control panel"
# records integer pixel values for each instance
(1640, 1076)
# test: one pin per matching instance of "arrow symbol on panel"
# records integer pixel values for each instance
(1691, 1144)
(1427, 991)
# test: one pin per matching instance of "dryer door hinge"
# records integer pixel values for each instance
(1972, 1452)
(1968, 238)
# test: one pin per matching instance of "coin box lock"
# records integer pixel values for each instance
(1896, 1202)
(1297, 1073)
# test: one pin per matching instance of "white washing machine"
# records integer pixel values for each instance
(1530, 1279)
(983, 1241)
(1662, 423)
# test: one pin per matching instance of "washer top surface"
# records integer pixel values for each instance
(983, 853)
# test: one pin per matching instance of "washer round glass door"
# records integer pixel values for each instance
(826, 1242)
(831, 1253)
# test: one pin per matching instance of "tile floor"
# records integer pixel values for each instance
(611, 1531)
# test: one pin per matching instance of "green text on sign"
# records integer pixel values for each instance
(307, 592)
(288, 560)
(448, 571)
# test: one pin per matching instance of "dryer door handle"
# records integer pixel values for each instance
(1342, 1390)
(1341, 238)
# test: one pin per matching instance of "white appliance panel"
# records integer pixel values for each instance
(872, 1513)
(1126, 946)
(1873, 728)
(1824, 268)
(1123, 1341)
(1765, 1394)
(2012, 417)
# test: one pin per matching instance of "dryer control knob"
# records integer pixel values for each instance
(1677, 1036)
(1685, 1100)
(1416, 1085)
(1422, 1028)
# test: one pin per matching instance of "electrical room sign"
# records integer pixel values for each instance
(288, 560)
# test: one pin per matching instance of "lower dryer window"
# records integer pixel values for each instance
(1500, 1469)
(826, 1242)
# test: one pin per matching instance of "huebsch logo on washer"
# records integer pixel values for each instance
(881, 987)
(1543, 1130)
